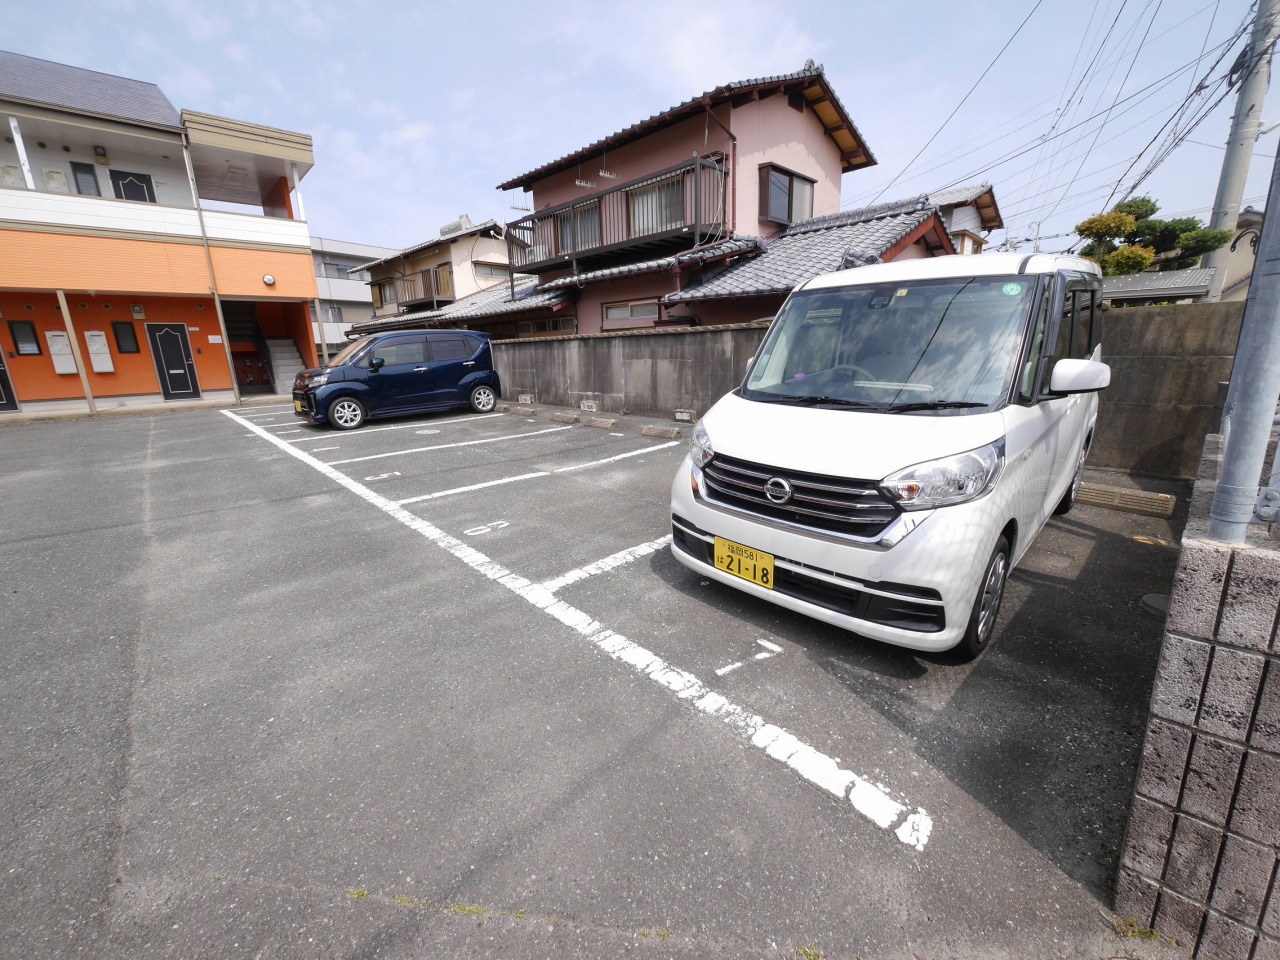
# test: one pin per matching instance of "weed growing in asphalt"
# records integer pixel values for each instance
(810, 951)
(1132, 930)
(466, 909)
(357, 894)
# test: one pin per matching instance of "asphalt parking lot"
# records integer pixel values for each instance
(436, 688)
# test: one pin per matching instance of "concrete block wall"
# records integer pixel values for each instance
(1199, 863)
(1166, 364)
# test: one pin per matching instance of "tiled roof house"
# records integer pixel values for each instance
(707, 212)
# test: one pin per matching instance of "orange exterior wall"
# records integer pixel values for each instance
(49, 261)
(135, 374)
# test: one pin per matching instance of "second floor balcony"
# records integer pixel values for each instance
(669, 210)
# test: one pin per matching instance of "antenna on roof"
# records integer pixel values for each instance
(605, 172)
(518, 206)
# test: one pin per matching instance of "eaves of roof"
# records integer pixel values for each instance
(716, 251)
(1192, 282)
(809, 82)
(982, 196)
(490, 302)
(419, 247)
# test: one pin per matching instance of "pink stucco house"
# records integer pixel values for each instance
(708, 212)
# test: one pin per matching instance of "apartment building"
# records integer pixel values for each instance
(149, 253)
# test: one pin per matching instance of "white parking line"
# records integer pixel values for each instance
(447, 446)
(871, 800)
(434, 423)
(608, 563)
(771, 650)
(474, 486)
(621, 456)
(323, 449)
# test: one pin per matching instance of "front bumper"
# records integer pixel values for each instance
(913, 589)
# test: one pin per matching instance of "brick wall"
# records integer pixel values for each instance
(1200, 854)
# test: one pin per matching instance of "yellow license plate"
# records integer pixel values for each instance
(297, 406)
(744, 562)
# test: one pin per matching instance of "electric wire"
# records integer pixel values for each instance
(962, 102)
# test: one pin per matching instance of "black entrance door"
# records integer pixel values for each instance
(175, 367)
(7, 400)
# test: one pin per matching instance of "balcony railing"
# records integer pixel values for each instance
(670, 209)
(434, 283)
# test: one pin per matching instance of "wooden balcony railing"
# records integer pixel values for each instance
(434, 283)
(680, 206)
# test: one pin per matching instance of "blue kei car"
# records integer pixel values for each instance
(408, 371)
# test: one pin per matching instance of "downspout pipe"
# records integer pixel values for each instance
(213, 278)
(733, 168)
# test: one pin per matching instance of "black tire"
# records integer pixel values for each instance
(1073, 492)
(986, 605)
(346, 413)
(483, 399)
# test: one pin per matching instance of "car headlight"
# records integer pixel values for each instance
(700, 451)
(319, 380)
(946, 481)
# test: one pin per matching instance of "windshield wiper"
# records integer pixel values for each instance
(832, 401)
(933, 405)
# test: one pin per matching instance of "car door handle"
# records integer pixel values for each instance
(468, 363)
(419, 369)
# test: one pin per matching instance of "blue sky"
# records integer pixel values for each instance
(418, 110)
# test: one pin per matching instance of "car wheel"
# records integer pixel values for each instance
(986, 605)
(346, 413)
(1069, 498)
(483, 399)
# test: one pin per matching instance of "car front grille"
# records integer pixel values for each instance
(829, 504)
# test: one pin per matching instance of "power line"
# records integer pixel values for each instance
(962, 102)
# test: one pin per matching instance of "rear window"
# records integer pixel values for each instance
(450, 348)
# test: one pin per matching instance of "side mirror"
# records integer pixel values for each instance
(1079, 376)
(377, 363)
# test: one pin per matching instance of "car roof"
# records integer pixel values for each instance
(955, 265)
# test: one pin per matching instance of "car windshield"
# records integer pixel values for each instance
(349, 351)
(923, 345)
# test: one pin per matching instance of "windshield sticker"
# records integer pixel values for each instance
(879, 301)
(1011, 289)
(901, 293)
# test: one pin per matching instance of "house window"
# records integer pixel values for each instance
(785, 197)
(967, 243)
(384, 292)
(86, 180)
(24, 336)
(491, 270)
(657, 207)
(133, 186)
(545, 328)
(624, 316)
(126, 336)
(579, 228)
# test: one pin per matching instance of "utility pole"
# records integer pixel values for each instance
(1245, 126)
(1255, 386)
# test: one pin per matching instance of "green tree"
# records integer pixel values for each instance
(1173, 244)
(1127, 259)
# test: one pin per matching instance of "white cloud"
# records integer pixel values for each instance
(237, 52)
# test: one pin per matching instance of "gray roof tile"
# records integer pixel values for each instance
(64, 87)
(809, 249)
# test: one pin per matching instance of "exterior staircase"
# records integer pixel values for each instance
(286, 363)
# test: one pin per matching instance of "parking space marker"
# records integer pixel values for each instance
(872, 800)
(323, 449)
(448, 446)
(771, 650)
(621, 456)
(608, 563)
(474, 486)
(434, 423)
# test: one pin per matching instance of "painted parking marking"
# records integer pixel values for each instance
(383, 476)
(524, 476)
(435, 423)
(874, 801)
(617, 434)
(484, 528)
(323, 449)
(770, 650)
(621, 456)
(610, 562)
(283, 432)
(474, 486)
(448, 446)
